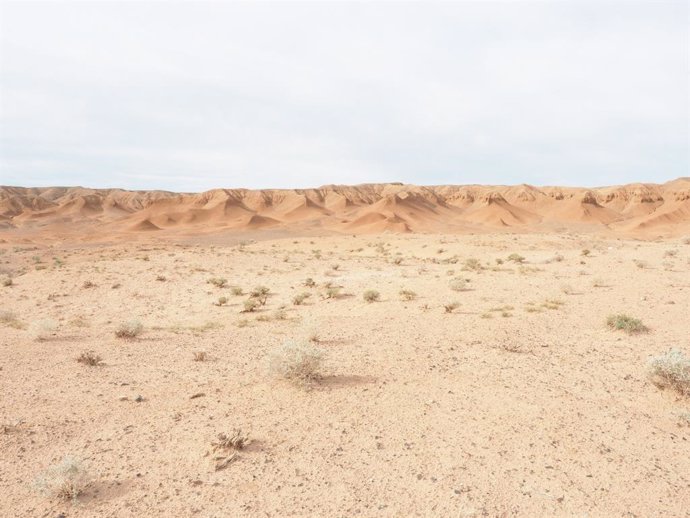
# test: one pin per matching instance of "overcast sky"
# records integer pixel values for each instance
(192, 95)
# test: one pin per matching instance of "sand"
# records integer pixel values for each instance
(640, 211)
(521, 402)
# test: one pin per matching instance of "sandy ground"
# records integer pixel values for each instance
(503, 407)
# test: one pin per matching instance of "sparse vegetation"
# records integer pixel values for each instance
(623, 322)
(250, 305)
(299, 299)
(222, 301)
(237, 291)
(218, 282)
(64, 481)
(129, 329)
(90, 358)
(200, 356)
(297, 362)
(233, 441)
(371, 296)
(516, 258)
(332, 292)
(458, 284)
(407, 295)
(472, 264)
(672, 370)
(451, 306)
(42, 330)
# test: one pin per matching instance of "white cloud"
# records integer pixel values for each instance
(194, 95)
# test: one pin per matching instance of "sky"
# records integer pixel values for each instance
(189, 96)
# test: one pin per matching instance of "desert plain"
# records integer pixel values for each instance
(469, 364)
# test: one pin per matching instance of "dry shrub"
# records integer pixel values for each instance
(218, 282)
(234, 441)
(458, 284)
(41, 330)
(408, 295)
(451, 306)
(371, 296)
(298, 300)
(200, 356)
(64, 481)
(249, 306)
(90, 358)
(297, 362)
(672, 370)
(129, 329)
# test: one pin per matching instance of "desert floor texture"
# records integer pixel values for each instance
(517, 400)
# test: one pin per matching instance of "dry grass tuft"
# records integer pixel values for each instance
(623, 322)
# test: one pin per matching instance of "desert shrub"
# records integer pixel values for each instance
(280, 314)
(472, 264)
(626, 323)
(250, 305)
(233, 441)
(297, 362)
(260, 293)
(641, 264)
(499, 261)
(516, 258)
(408, 295)
(552, 304)
(88, 284)
(7, 281)
(7, 316)
(161, 278)
(64, 481)
(222, 301)
(671, 369)
(332, 292)
(200, 356)
(585, 252)
(218, 282)
(237, 291)
(371, 296)
(451, 306)
(309, 282)
(397, 261)
(42, 329)
(458, 284)
(299, 299)
(90, 358)
(129, 329)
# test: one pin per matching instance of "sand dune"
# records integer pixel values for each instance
(637, 210)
